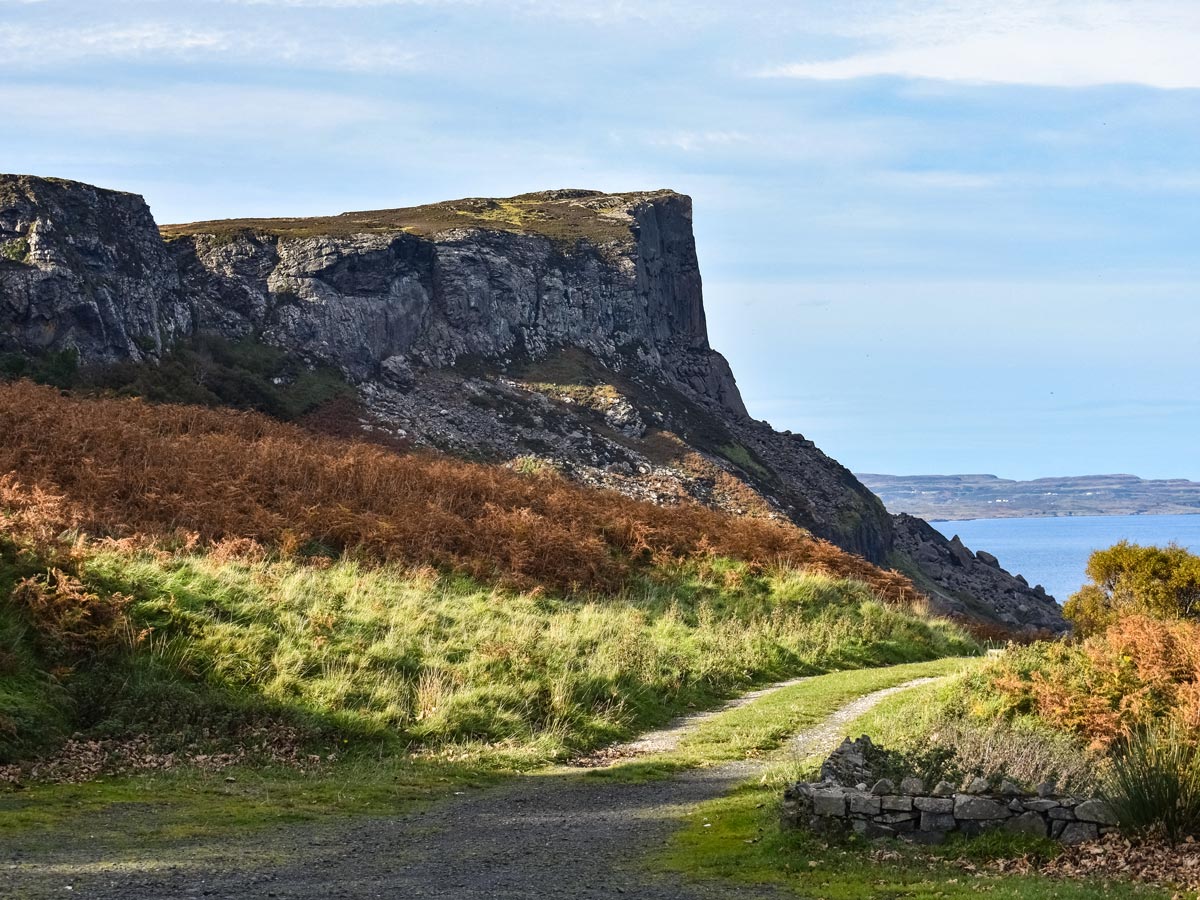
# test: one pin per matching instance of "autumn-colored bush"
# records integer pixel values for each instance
(1140, 670)
(125, 468)
(71, 621)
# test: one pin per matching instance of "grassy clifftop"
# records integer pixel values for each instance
(565, 216)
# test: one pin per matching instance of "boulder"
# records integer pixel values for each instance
(943, 789)
(829, 803)
(865, 804)
(978, 786)
(934, 804)
(933, 821)
(987, 559)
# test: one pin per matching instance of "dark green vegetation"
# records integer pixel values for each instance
(205, 369)
(563, 216)
(1153, 783)
(59, 369)
(15, 250)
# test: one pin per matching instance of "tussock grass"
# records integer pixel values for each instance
(453, 666)
(1153, 782)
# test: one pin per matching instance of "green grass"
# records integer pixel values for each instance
(738, 454)
(417, 681)
(737, 840)
(392, 654)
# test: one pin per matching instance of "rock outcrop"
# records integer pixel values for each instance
(565, 325)
(85, 269)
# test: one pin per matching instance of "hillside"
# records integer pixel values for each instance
(948, 497)
(562, 330)
(181, 577)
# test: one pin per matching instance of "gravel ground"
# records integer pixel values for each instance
(557, 834)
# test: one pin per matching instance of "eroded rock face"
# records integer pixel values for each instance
(85, 269)
(957, 577)
(358, 300)
(457, 332)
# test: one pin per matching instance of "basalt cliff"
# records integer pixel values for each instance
(563, 328)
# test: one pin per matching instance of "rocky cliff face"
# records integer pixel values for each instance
(84, 268)
(563, 328)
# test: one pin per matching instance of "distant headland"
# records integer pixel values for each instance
(949, 497)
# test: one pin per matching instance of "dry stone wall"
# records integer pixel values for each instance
(911, 812)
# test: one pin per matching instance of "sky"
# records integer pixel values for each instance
(937, 236)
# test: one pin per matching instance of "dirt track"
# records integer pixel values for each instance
(559, 834)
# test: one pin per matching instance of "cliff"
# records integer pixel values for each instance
(563, 328)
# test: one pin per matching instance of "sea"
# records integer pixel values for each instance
(1053, 551)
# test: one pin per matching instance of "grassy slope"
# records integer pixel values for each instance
(397, 656)
(273, 588)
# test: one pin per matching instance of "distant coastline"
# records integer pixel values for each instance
(961, 497)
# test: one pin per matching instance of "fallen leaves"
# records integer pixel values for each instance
(1149, 861)
(81, 760)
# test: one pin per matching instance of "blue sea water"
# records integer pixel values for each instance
(1053, 552)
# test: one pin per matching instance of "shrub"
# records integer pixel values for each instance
(1153, 784)
(1130, 579)
(1138, 671)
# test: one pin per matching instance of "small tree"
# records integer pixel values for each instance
(1162, 582)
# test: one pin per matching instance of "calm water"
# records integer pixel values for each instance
(1054, 552)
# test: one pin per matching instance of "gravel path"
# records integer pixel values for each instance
(558, 834)
(668, 737)
(826, 736)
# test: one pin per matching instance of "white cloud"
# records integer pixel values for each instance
(1036, 42)
(192, 110)
(42, 47)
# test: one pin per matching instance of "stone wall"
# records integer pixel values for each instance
(911, 812)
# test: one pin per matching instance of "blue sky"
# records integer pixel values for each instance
(936, 236)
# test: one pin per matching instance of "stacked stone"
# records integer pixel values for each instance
(912, 813)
